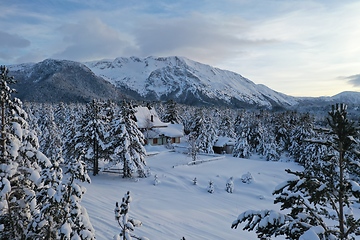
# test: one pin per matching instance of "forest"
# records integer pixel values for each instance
(48, 149)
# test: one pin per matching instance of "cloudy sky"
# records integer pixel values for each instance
(298, 47)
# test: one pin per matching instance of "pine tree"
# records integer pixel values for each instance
(50, 216)
(207, 137)
(242, 148)
(76, 223)
(303, 131)
(255, 136)
(204, 132)
(51, 139)
(126, 224)
(211, 188)
(230, 185)
(226, 128)
(20, 165)
(270, 150)
(91, 136)
(320, 199)
(131, 149)
(171, 113)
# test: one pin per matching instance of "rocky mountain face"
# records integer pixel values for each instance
(155, 79)
(187, 82)
(60, 81)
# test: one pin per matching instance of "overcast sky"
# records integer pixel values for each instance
(300, 48)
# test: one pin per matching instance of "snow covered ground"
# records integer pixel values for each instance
(175, 207)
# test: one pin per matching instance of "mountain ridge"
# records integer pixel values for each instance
(158, 78)
(153, 79)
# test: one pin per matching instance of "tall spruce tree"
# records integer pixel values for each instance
(131, 149)
(320, 199)
(91, 137)
(20, 165)
(226, 127)
(171, 112)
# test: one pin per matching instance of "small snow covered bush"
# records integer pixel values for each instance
(230, 185)
(247, 178)
(211, 187)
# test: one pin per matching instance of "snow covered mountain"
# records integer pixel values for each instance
(186, 81)
(155, 79)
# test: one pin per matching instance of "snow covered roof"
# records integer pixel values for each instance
(169, 130)
(222, 141)
(147, 118)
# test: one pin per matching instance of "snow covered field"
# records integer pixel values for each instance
(175, 207)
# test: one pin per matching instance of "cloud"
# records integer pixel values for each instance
(353, 80)
(200, 37)
(90, 38)
(8, 40)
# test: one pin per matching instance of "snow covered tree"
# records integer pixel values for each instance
(282, 131)
(240, 125)
(171, 112)
(204, 132)
(302, 131)
(230, 185)
(50, 215)
(76, 223)
(126, 224)
(256, 136)
(193, 148)
(226, 128)
(211, 188)
(319, 199)
(131, 149)
(91, 137)
(51, 139)
(207, 138)
(270, 150)
(242, 148)
(20, 164)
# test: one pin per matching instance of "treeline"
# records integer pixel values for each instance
(101, 128)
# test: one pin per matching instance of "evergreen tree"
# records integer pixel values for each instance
(91, 136)
(320, 199)
(50, 215)
(282, 130)
(226, 128)
(255, 136)
(230, 185)
(20, 165)
(270, 150)
(204, 132)
(75, 223)
(51, 139)
(211, 188)
(207, 137)
(171, 113)
(126, 224)
(131, 149)
(193, 148)
(242, 148)
(303, 131)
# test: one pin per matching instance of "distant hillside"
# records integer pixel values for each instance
(60, 81)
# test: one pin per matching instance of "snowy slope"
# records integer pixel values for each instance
(175, 207)
(186, 81)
